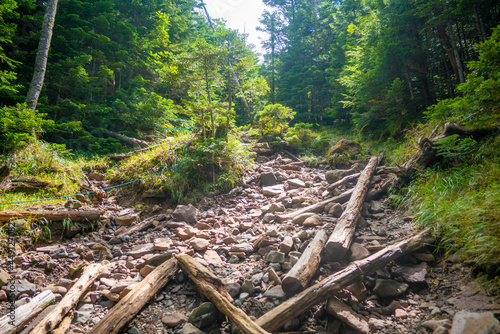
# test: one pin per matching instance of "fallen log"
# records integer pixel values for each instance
(128, 140)
(347, 315)
(297, 278)
(330, 286)
(318, 207)
(213, 289)
(340, 182)
(65, 324)
(51, 215)
(89, 275)
(144, 225)
(340, 240)
(126, 309)
(12, 322)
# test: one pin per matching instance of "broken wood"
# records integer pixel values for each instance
(347, 315)
(340, 240)
(127, 308)
(127, 140)
(65, 324)
(14, 320)
(212, 288)
(330, 286)
(89, 275)
(299, 276)
(144, 225)
(342, 181)
(318, 207)
(51, 215)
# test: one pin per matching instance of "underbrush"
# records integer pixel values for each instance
(184, 164)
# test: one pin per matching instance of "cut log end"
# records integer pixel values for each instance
(335, 251)
(291, 286)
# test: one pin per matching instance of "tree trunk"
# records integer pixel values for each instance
(144, 225)
(90, 274)
(42, 55)
(297, 278)
(212, 288)
(347, 315)
(126, 309)
(11, 324)
(340, 182)
(65, 324)
(128, 140)
(329, 287)
(51, 215)
(340, 240)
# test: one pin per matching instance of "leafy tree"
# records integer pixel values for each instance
(274, 117)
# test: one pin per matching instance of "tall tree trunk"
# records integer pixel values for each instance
(42, 55)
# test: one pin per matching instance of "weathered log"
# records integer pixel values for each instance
(330, 286)
(340, 240)
(89, 275)
(14, 320)
(212, 288)
(318, 207)
(347, 315)
(297, 278)
(340, 182)
(126, 309)
(65, 324)
(4, 173)
(144, 225)
(51, 215)
(128, 140)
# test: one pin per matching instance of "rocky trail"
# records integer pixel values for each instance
(260, 258)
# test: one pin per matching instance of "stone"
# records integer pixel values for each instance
(465, 322)
(295, 183)
(204, 315)
(400, 314)
(275, 292)
(156, 260)
(267, 179)
(277, 207)
(199, 244)
(213, 257)
(433, 324)
(4, 278)
(111, 295)
(268, 217)
(412, 274)
(314, 220)
(389, 288)
(345, 146)
(84, 313)
(300, 218)
(292, 325)
(247, 287)
(286, 245)
(146, 270)
(189, 329)
(140, 250)
(273, 276)
(358, 252)
(126, 220)
(162, 244)
(376, 324)
(73, 204)
(425, 257)
(275, 257)
(273, 190)
(174, 320)
(330, 176)
(3, 296)
(186, 213)
(202, 226)
(243, 247)
(23, 286)
(185, 233)
(233, 289)
(336, 210)
(376, 207)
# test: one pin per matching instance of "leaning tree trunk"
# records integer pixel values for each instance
(42, 55)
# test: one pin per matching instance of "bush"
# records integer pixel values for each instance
(273, 119)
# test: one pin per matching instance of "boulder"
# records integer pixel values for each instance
(345, 146)
(186, 213)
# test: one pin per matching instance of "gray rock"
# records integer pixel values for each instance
(267, 179)
(233, 289)
(389, 288)
(141, 250)
(186, 213)
(314, 220)
(199, 244)
(376, 207)
(204, 315)
(275, 257)
(190, 329)
(275, 292)
(277, 207)
(296, 183)
(126, 220)
(23, 286)
(465, 322)
(412, 274)
(358, 252)
(174, 320)
(268, 217)
(247, 287)
(286, 245)
(73, 204)
(300, 218)
(336, 210)
(84, 313)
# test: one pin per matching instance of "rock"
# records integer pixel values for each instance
(212, 256)
(465, 322)
(186, 213)
(433, 324)
(412, 274)
(376, 207)
(146, 270)
(244, 248)
(162, 244)
(204, 315)
(267, 179)
(358, 252)
(292, 325)
(111, 295)
(336, 210)
(268, 217)
(376, 324)
(275, 292)
(3, 296)
(199, 244)
(295, 183)
(277, 207)
(73, 204)
(247, 287)
(23, 286)
(4, 278)
(141, 250)
(126, 220)
(314, 220)
(345, 146)
(400, 314)
(275, 257)
(273, 190)
(185, 233)
(156, 260)
(300, 218)
(389, 288)
(233, 289)
(84, 313)
(190, 329)
(174, 320)
(425, 257)
(203, 226)
(330, 176)
(286, 245)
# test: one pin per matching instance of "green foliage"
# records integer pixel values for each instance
(273, 119)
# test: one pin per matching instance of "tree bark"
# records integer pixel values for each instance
(144, 225)
(90, 274)
(340, 182)
(212, 288)
(42, 55)
(23, 314)
(297, 278)
(330, 286)
(51, 215)
(128, 140)
(318, 207)
(340, 240)
(126, 309)
(65, 324)
(346, 314)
